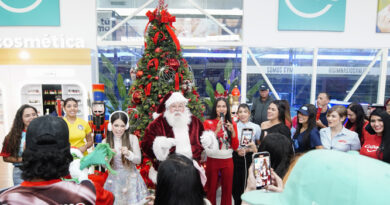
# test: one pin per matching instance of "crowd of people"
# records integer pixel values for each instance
(190, 159)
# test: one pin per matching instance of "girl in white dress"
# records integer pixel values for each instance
(127, 185)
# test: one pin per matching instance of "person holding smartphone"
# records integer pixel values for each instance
(248, 134)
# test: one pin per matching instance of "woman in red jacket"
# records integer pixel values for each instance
(219, 159)
(377, 144)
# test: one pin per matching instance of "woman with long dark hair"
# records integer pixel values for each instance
(307, 136)
(13, 144)
(377, 145)
(178, 182)
(79, 130)
(219, 161)
(357, 120)
(127, 184)
(276, 115)
(387, 106)
(287, 114)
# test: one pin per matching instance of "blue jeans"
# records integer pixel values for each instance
(17, 176)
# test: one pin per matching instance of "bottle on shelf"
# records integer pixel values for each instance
(47, 111)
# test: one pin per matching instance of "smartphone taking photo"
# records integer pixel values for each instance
(246, 136)
(262, 169)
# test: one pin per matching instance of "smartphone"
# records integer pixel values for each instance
(262, 169)
(246, 136)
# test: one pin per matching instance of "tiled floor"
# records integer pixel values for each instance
(5, 174)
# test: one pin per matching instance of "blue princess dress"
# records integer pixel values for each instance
(127, 185)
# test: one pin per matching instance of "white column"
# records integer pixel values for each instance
(314, 77)
(382, 77)
(244, 64)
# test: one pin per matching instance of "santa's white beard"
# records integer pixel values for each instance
(178, 119)
(179, 122)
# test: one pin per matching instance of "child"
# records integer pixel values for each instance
(127, 185)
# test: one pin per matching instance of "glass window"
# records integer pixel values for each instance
(339, 69)
(191, 24)
(289, 71)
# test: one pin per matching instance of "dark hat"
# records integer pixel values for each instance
(263, 87)
(304, 110)
(47, 132)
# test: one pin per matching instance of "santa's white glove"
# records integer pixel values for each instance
(208, 140)
(161, 146)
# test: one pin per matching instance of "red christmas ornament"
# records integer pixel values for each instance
(141, 86)
(154, 27)
(133, 88)
(173, 63)
(156, 78)
(158, 50)
(140, 73)
(136, 116)
(147, 54)
(182, 71)
(137, 97)
(165, 71)
(149, 76)
(151, 109)
(189, 100)
(153, 105)
(159, 96)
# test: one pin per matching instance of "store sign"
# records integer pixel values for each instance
(47, 41)
(308, 70)
(29, 13)
(312, 15)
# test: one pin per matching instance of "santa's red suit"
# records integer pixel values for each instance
(160, 128)
(184, 135)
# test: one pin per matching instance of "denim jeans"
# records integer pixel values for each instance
(17, 176)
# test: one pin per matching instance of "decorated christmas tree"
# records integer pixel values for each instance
(162, 69)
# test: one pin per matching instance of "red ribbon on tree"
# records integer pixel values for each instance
(148, 89)
(177, 80)
(155, 39)
(152, 62)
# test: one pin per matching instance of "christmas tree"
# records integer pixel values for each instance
(162, 69)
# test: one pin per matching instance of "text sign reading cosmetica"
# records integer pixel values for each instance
(312, 15)
(29, 13)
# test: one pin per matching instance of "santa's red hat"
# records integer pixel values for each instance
(171, 97)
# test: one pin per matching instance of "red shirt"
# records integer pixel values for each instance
(371, 145)
(365, 133)
(212, 125)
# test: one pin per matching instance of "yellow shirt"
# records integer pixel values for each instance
(78, 131)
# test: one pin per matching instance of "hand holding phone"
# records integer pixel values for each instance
(246, 136)
(262, 169)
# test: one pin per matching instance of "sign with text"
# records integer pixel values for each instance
(312, 15)
(29, 13)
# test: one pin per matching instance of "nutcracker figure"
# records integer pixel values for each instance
(98, 120)
(234, 103)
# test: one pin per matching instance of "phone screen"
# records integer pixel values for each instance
(262, 169)
(246, 136)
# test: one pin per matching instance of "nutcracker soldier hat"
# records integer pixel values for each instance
(98, 92)
(169, 99)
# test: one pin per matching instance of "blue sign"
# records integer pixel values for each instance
(29, 13)
(312, 15)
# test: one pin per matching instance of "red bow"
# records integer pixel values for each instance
(152, 62)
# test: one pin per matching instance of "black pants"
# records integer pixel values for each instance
(240, 171)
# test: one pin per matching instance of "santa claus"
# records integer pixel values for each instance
(174, 130)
